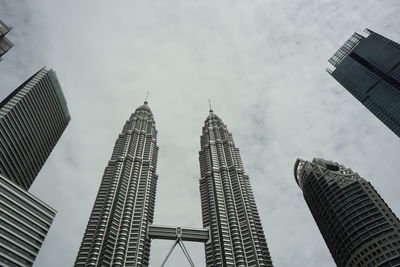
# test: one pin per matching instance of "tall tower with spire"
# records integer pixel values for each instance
(228, 206)
(116, 234)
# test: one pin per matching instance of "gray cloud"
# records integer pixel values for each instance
(261, 63)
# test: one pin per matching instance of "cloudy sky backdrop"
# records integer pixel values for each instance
(262, 63)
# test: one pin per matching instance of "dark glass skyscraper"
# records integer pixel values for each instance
(32, 119)
(116, 234)
(5, 44)
(228, 206)
(369, 68)
(358, 226)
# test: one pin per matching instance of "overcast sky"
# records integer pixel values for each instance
(262, 64)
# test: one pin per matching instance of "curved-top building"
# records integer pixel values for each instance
(116, 234)
(228, 206)
(357, 225)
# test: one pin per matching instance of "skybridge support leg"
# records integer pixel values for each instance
(169, 253)
(186, 252)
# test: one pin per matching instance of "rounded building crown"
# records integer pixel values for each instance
(145, 106)
(212, 116)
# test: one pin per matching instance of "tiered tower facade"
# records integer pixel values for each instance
(116, 234)
(358, 226)
(228, 206)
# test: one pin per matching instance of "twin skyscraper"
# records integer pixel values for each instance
(118, 230)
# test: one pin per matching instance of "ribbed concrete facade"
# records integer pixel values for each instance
(358, 226)
(24, 223)
(5, 44)
(116, 234)
(32, 119)
(369, 68)
(228, 206)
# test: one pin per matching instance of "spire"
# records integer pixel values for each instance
(147, 95)
(211, 115)
(145, 104)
